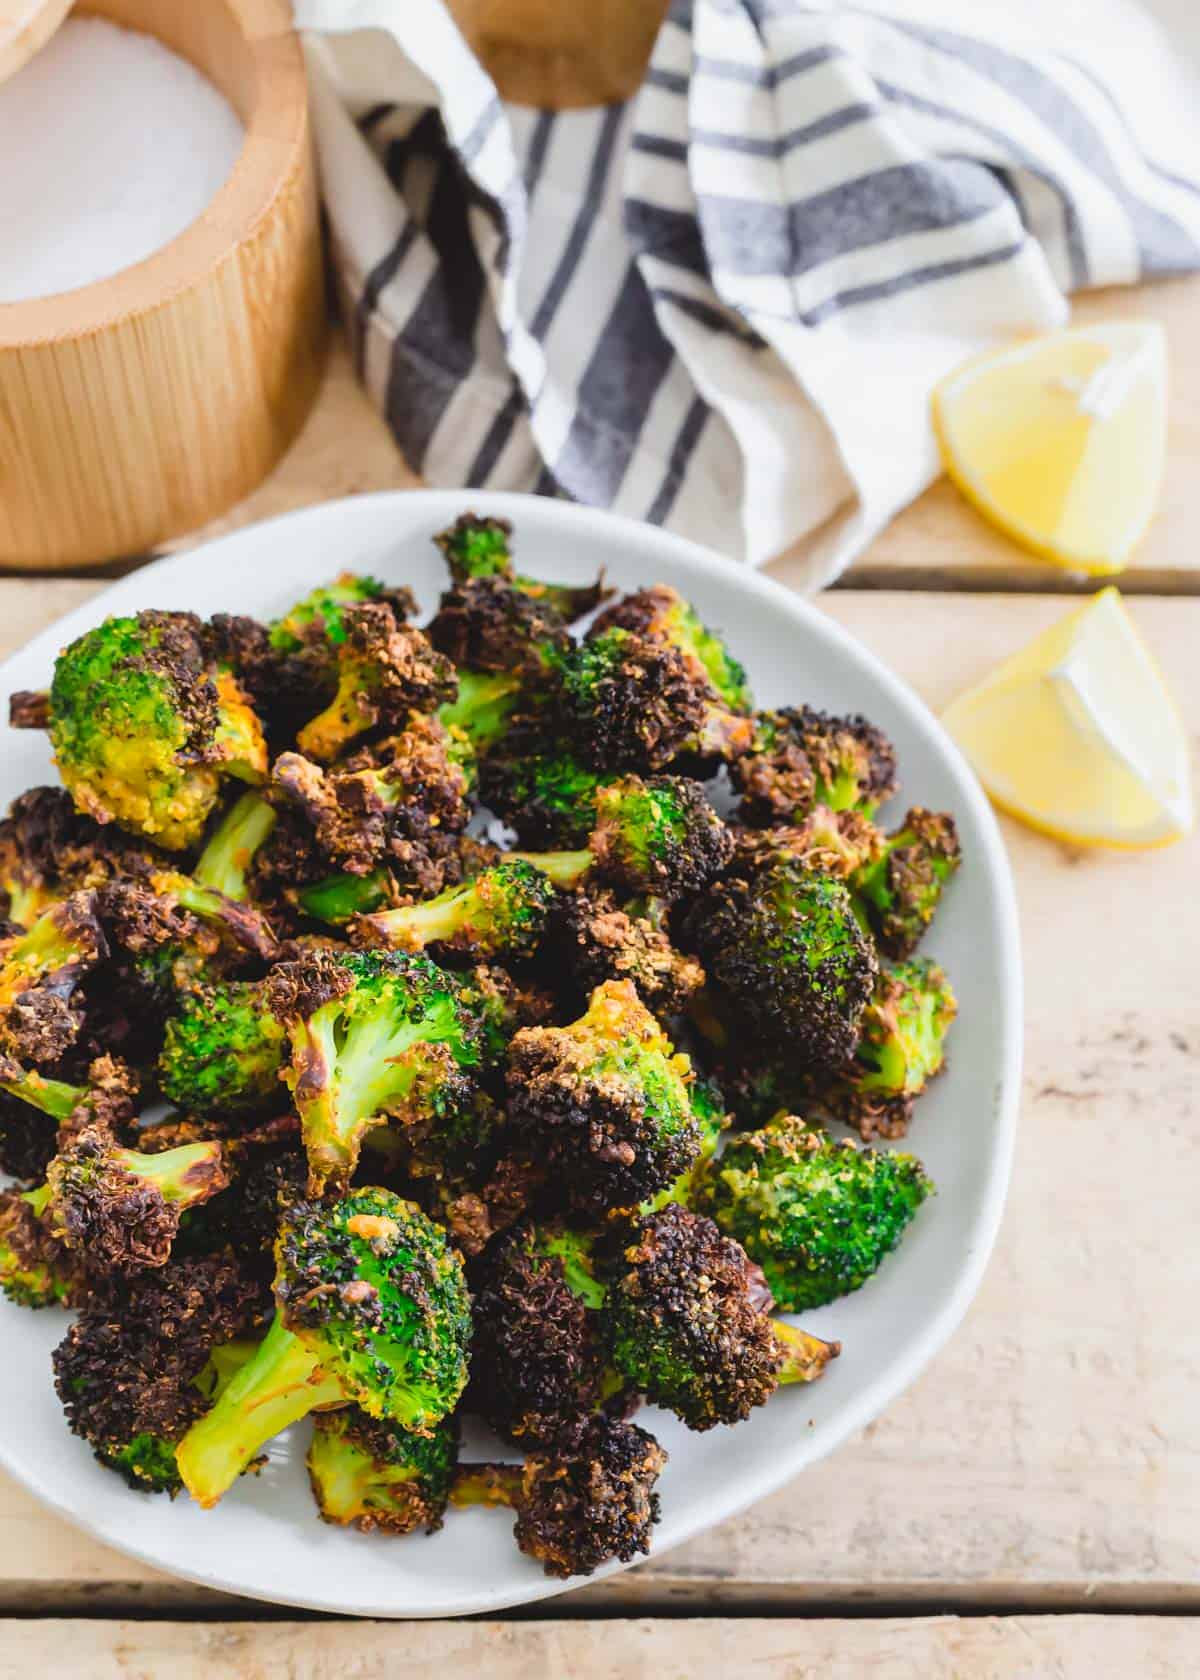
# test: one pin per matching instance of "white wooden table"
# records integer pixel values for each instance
(1032, 1505)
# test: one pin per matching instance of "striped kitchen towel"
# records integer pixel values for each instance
(723, 305)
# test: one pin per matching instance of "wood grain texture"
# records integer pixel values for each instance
(938, 1648)
(1051, 1454)
(26, 26)
(541, 52)
(139, 406)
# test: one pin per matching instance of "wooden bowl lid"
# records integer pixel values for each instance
(25, 26)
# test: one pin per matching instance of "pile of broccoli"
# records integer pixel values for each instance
(511, 987)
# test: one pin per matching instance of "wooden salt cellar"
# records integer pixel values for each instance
(139, 407)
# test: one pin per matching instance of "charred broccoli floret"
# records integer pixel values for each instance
(372, 1308)
(900, 889)
(381, 805)
(541, 787)
(36, 1269)
(816, 1215)
(637, 704)
(901, 1048)
(835, 843)
(168, 916)
(661, 614)
(317, 622)
(475, 547)
(604, 1102)
(27, 1144)
(783, 949)
(385, 669)
(41, 969)
(137, 1367)
(801, 758)
(244, 1219)
(146, 725)
(48, 850)
(596, 938)
(223, 1050)
(485, 624)
(120, 1208)
(375, 1476)
(500, 913)
(685, 1327)
(538, 1360)
(374, 1036)
(224, 864)
(657, 835)
(585, 1499)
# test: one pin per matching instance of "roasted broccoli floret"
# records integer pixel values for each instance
(138, 1367)
(41, 969)
(657, 835)
(541, 787)
(120, 1208)
(168, 915)
(380, 805)
(146, 724)
(581, 1501)
(385, 669)
(661, 614)
(372, 1307)
(901, 1048)
(223, 1050)
(785, 953)
(485, 624)
(594, 937)
(900, 889)
(48, 850)
(375, 1476)
(374, 1036)
(684, 1324)
(835, 843)
(801, 758)
(816, 1215)
(244, 1219)
(475, 547)
(317, 622)
(230, 850)
(604, 1102)
(27, 1143)
(36, 1269)
(538, 1360)
(637, 704)
(500, 913)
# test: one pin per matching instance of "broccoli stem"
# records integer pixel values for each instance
(26, 903)
(414, 926)
(53, 1096)
(356, 1080)
(486, 1484)
(228, 854)
(805, 1356)
(189, 1173)
(281, 1384)
(339, 897)
(483, 707)
(565, 869)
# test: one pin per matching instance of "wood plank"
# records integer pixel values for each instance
(937, 543)
(938, 1648)
(1051, 1455)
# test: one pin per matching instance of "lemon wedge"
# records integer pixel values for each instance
(1061, 440)
(1077, 734)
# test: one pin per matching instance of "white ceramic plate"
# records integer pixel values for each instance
(264, 1539)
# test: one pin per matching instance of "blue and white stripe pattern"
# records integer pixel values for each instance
(722, 306)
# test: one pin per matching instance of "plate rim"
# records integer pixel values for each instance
(877, 1394)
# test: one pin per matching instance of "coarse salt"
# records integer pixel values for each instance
(110, 145)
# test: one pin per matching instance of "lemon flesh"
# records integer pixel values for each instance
(1077, 734)
(1061, 440)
